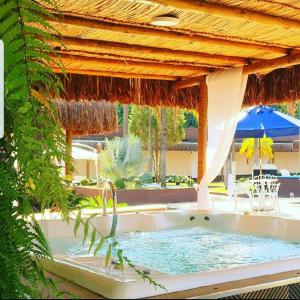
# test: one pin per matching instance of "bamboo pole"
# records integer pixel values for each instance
(97, 46)
(161, 34)
(131, 59)
(99, 63)
(189, 82)
(272, 64)
(231, 12)
(69, 139)
(202, 129)
(115, 74)
(260, 67)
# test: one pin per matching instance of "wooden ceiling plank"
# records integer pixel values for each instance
(125, 64)
(165, 34)
(129, 59)
(115, 74)
(100, 46)
(231, 12)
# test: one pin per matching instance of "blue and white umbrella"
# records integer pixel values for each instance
(260, 121)
(263, 120)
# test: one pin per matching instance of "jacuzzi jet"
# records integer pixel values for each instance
(192, 218)
(206, 218)
(116, 264)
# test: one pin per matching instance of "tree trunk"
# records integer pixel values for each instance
(68, 163)
(163, 149)
(150, 146)
(125, 120)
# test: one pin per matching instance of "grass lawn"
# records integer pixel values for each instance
(217, 188)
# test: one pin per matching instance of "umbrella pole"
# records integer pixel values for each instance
(260, 156)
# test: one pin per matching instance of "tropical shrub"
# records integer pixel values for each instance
(180, 179)
(122, 162)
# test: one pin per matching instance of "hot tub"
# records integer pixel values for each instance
(182, 250)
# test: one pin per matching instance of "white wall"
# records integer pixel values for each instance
(185, 163)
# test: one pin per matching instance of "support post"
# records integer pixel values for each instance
(202, 129)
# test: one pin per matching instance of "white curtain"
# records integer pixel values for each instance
(226, 91)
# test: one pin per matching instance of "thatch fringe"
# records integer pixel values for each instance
(279, 86)
(87, 117)
(125, 91)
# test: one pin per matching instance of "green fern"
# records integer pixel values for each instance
(33, 141)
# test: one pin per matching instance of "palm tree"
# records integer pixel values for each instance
(122, 162)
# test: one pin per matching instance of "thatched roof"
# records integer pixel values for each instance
(115, 38)
(210, 33)
(279, 86)
(87, 117)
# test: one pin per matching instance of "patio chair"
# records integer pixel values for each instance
(274, 190)
(285, 173)
(242, 188)
(266, 187)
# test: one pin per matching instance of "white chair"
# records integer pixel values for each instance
(274, 190)
(242, 188)
(285, 172)
(266, 187)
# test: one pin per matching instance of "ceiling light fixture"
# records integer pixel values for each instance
(165, 20)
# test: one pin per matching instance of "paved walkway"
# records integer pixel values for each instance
(289, 207)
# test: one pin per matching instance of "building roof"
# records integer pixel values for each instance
(286, 144)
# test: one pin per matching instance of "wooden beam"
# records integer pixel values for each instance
(167, 34)
(185, 83)
(140, 51)
(231, 12)
(202, 129)
(272, 64)
(161, 68)
(115, 74)
(129, 59)
(256, 68)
